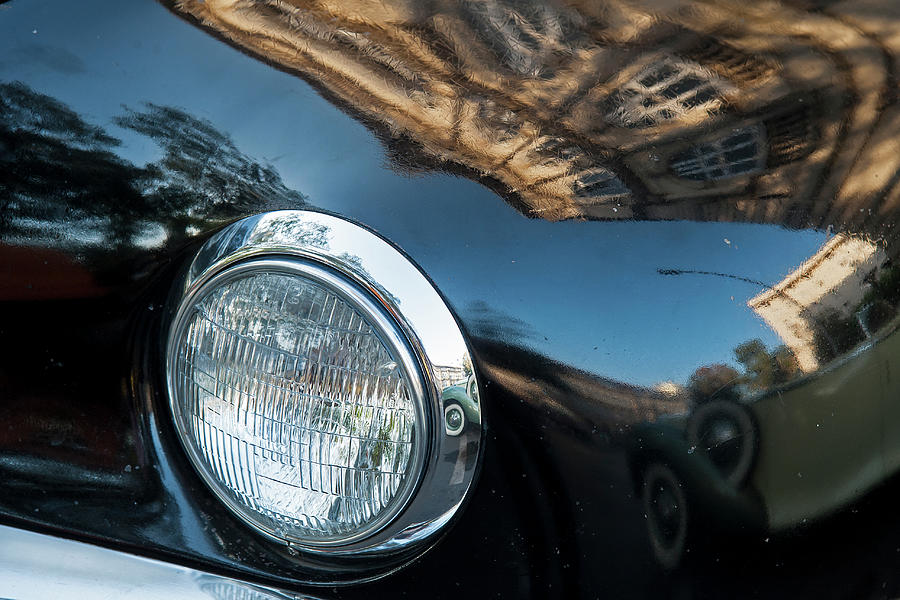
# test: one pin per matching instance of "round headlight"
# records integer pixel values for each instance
(306, 399)
(295, 395)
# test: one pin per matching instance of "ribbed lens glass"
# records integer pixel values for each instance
(293, 405)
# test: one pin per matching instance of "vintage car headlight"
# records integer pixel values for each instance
(303, 394)
(293, 393)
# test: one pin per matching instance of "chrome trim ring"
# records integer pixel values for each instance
(423, 324)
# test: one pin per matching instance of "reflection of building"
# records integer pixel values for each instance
(609, 110)
(832, 283)
(449, 375)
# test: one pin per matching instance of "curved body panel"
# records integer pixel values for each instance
(666, 230)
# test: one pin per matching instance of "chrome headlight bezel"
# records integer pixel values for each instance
(411, 317)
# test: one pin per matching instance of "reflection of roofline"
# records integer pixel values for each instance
(810, 264)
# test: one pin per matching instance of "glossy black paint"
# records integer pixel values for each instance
(601, 320)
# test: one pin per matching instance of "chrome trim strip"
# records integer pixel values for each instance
(36, 565)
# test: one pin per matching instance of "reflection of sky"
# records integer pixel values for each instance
(590, 291)
(429, 319)
(139, 52)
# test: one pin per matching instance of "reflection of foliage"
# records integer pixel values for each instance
(25, 110)
(762, 369)
(878, 313)
(202, 173)
(879, 303)
(57, 167)
(887, 287)
(717, 381)
(835, 334)
(357, 263)
(58, 170)
(467, 366)
(286, 232)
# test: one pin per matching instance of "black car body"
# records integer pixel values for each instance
(666, 230)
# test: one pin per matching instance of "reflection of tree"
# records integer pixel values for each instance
(880, 301)
(467, 365)
(886, 287)
(57, 167)
(286, 231)
(58, 170)
(836, 334)
(717, 381)
(202, 174)
(763, 369)
(357, 263)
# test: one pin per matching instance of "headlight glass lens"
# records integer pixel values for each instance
(292, 399)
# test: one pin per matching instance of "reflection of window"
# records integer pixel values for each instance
(738, 153)
(522, 35)
(791, 137)
(592, 181)
(599, 184)
(734, 64)
(667, 89)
